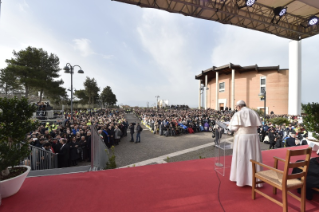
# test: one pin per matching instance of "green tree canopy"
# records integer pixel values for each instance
(108, 97)
(81, 95)
(91, 90)
(8, 82)
(25, 66)
(37, 70)
(311, 119)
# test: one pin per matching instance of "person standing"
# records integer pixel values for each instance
(131, 127)
(138, 133)
(272, 141)
(117, 135)
(63, 155)
(246, 144)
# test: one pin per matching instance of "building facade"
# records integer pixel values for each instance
(221, 87)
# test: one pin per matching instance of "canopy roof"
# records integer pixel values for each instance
(293, 25)
(227, 69)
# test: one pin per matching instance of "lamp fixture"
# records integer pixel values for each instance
(313, 20)
(248, 3)
(66, 69)
(280, 12)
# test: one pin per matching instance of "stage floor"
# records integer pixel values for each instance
(181, 186)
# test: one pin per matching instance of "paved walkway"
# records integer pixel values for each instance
(153, 146)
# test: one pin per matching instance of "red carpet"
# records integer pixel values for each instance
(182, 186)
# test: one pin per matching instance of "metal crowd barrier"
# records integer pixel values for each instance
(99, 151)
(40, 159)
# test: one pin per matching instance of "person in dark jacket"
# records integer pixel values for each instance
(131, 127)
(312, 180)
(63, 155)
(88, 145)
(138, 133)
(111, 133)
(272, 141)
(74, 155)
(291, 141)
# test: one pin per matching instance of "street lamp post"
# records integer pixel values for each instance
(263, 95)
(157, 101)
(69, 69)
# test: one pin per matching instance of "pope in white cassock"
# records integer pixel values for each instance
(246, 144)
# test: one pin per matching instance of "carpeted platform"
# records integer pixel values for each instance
(181, 186)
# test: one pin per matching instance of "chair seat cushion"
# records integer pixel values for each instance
(276, 178)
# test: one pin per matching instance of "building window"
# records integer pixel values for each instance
(262, 86)
(222, 87)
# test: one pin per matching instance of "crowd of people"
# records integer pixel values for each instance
(71, 138)
(278, 136)
(177, 121)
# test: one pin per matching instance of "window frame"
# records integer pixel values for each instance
(262, 86)
(221, 89)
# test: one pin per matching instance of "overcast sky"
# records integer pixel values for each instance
(142, 53)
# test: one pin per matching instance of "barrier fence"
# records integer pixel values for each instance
(40, 159)
(99, 151)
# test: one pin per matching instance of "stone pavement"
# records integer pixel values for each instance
(155, 149)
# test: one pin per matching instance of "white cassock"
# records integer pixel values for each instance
(246, 146)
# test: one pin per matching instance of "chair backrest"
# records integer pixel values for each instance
(303, 165)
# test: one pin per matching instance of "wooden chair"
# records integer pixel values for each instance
(282, 180)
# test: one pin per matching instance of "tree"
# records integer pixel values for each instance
(25, 66)
(48, 71)
(311, 119)
(91, 90)
(108, 97)
(8, 82)
(37, 71)
(81, 94)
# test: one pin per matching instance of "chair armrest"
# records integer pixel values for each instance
(276, 158)
(266, 166)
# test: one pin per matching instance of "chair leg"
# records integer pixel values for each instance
(303, 196)
(284, 200)
(274, 190)
(253, 194)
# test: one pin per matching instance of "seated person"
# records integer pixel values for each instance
(291, 141)
(312, 180)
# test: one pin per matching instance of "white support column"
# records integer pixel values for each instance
(206, 77)
(232, 89)
(217, 91)
(199, 95)
(294, 96)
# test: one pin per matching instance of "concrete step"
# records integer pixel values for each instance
(68, 170)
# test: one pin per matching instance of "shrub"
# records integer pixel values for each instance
(15, 123)
(111, 164)
(279, 121)
(311, 119)
(259, 112)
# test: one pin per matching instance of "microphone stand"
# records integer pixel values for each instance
(217, 142)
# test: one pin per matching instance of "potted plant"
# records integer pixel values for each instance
(15, 123)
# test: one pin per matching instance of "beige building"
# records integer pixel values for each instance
(230, 83)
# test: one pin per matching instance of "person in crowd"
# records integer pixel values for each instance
(246, 144)
(272, 141)
(138, 133)
(63, 155)
(74, 153)
(117, 135)
(131, 127)
(88, 144)
(291, 141)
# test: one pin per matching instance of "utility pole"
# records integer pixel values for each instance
(157, 101)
